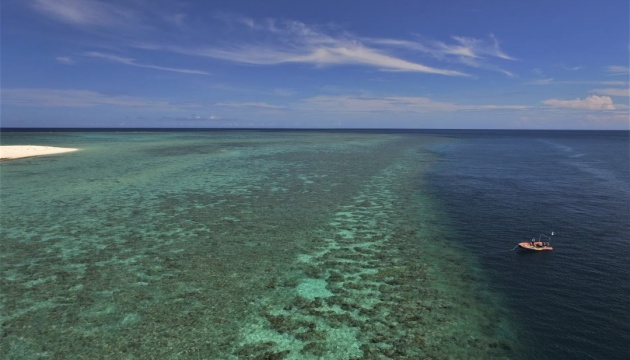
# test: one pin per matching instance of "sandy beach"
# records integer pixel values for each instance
(11, 152)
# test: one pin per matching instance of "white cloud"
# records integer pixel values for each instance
(613, 91)
(592, 102)
(132, 62)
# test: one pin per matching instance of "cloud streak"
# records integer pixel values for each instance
(268, 42)
(132, 62)
(86, 98)
(272, 42)
(259, 105)
(294, 42)
(197, 118)
(340, 53)
(480, 48)
(76, 99)
(551, 81)
(618, 70)
(85, 13)
(468, 51)
(623, 92)
(66, 60)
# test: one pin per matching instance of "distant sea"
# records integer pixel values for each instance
(248, 244)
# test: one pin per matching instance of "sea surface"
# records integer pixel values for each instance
(316, 245)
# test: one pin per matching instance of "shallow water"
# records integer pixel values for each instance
(236, 245)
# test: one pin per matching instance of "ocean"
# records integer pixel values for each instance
(248, 244)
(496, 188)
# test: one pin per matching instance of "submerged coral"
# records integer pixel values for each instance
(270, 247)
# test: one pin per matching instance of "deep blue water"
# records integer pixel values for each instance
(500, 188)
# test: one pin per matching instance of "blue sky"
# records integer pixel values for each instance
(316, 64)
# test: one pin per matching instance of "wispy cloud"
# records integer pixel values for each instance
(478, 48)
(118, 20)
(625, 92)
(66, 60)
(196, 118)
(260, 105)
(393, 104)
(85, 13)
(542, 81)
(88, 98)
(283, 92)
(349, 53)
(268, 41)
(619, 120)
(76, 99)
(462, 46)
(132, 62)
(278, 42)
(571, 68)
(552, 81)
(618, 70)
(592, 102)
(468, 51)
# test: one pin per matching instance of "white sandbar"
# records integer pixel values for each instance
(10, 152)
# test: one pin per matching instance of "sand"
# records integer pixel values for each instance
(23, 151)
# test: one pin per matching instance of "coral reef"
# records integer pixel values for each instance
(236, 245)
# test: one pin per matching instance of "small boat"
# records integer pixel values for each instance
(536, 245)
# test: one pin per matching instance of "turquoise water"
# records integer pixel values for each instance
(230, 245)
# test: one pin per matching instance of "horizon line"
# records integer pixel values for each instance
(52, 129)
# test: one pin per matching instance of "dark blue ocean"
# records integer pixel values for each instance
(500, 188)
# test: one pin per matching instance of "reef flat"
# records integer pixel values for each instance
(238, 245)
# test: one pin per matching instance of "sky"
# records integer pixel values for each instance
(467, 64)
